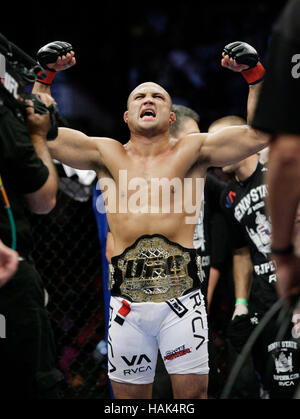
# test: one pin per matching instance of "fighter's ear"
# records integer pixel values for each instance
(126, 117)
(172, 118)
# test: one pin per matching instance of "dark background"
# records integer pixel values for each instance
(121, 44)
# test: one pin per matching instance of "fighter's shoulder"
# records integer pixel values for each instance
(105, 140)
(195, 137)
(106, 143)
(192, 141)
(191, 146)
(106, 148)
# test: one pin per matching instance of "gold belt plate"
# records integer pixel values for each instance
(154, 271)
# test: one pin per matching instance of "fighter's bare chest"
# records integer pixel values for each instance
(152, 185)
(142, 167)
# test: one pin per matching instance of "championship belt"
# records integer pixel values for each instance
(154, 270)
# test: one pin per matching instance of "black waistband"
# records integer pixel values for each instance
(192, 251)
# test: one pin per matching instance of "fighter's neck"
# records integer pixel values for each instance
(149, 147)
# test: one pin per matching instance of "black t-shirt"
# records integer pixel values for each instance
(244, 206)
(22, 172)
(279, 102)
(209, 237)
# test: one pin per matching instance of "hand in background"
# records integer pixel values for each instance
(9, 261)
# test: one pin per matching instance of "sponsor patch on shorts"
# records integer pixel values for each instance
(176, 353)
(177, 306)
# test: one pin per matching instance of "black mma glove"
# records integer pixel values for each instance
(245, 54)
(48, 54)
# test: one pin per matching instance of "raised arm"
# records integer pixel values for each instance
(235, 143)
(71, 147)
(231, 144)
(77, 150)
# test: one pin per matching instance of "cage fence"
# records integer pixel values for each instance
(67, 254)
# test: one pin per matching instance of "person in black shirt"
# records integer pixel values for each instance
(27, 354)
(244, 204)
(277, 113)
(211, 237)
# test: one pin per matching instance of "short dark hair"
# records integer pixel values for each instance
(182, 114)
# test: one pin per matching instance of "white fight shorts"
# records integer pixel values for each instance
(178, 328)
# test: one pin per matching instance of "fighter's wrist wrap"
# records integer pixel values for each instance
(254, 75)
(48, 79)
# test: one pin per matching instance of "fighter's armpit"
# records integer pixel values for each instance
(191, 145)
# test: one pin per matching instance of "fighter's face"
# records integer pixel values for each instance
(149, 110)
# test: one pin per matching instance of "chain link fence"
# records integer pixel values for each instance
(67, 254)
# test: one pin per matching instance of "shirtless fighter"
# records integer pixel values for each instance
(155, 277)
